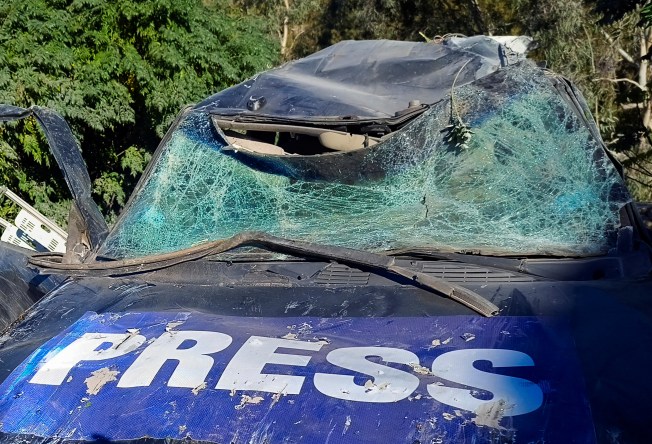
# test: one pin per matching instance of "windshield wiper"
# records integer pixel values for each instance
(51, 263)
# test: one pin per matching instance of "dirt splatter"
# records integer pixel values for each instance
(468, 337)
(419, 369)
(247, 400)
(489, 414)
(98, 379)
(172, 325)
(371, 386)
(305, 329)
(291, 305)
(276, 397)
(448, 416)
(199, 388)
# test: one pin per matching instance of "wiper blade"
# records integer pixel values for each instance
(359, 258)
(505, 263)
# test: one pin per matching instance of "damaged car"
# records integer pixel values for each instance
(382, 242)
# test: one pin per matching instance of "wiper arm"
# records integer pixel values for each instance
(359, 258)
(483, 259)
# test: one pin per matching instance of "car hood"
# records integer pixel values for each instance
(309, 351)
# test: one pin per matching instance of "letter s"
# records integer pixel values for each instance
(457, 366)
(390, 384)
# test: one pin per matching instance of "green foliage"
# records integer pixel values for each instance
(134, 160)
(457, 134)
(646, 16)
(398, 19)
(613, 10)
(585, 41)
(292, 20)
(118, 71)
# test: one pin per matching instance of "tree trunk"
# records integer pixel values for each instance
(476, 15)
(286, 30)
(644, 35)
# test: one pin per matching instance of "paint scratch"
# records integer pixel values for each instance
(347, 425)
(468, 337)
(98, 379)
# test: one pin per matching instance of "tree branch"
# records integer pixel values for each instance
(620, 50)
(622, 80)
(286, 31)
(638, 181)
(628, 106)
(639, 169)
(295, 39)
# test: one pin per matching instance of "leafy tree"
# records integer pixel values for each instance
(631, 37)
(601, 45)
(399, 19)
(614, 10)
(293, 20)
(118, 71)
(570, 42)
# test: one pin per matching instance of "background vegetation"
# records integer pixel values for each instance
(119, 70)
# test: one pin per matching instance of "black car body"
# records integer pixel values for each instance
(382, 242)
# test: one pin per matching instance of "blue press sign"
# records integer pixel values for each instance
(230, 379)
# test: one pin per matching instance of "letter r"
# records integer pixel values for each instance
(193, 363)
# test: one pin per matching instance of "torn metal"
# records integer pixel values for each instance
(66, 152)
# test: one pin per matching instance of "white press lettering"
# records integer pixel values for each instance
(457, 366)
(55, 368)
(388, 385)
(193, 362)
(244, 372)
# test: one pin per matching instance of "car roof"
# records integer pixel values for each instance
(367, 79)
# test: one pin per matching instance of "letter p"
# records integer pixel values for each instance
(54, 369)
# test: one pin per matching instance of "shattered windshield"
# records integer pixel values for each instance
(507, 167)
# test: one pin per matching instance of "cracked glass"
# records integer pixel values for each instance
(526, 178)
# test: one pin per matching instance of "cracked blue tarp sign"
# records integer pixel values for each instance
(230, 379)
